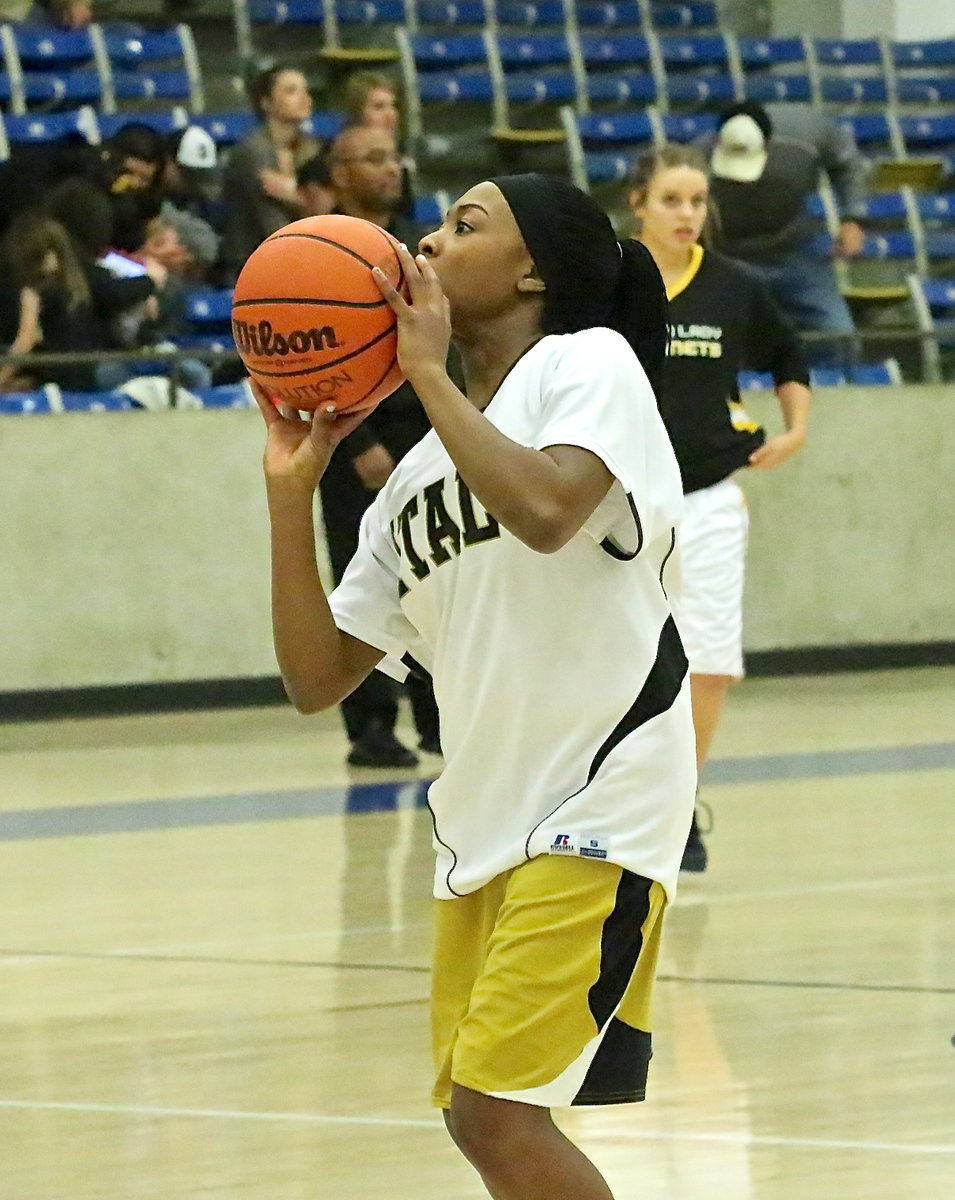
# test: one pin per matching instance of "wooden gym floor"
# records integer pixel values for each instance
(213, 963)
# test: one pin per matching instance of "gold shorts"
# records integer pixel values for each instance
(542, 982)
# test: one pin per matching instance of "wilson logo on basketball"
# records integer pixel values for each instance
(261, 339)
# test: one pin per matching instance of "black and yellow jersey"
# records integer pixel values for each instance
(722, 320)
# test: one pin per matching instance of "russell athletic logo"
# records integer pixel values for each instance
(262, 340)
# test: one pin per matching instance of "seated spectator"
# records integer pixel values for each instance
(44, 302)
(371, 98)
(189, 187)
(121, 298)
(260, 177)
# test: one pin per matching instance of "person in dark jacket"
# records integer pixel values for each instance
(365, 173)
(722, 319)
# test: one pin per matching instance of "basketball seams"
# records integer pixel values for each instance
(378, 382)
(314, 237)
(303, 300)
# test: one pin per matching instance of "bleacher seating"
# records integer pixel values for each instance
(606, 79)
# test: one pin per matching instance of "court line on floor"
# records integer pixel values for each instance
(23, 957)
(151, 815)
(306, 1118)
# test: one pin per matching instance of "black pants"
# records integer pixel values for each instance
(375, 701)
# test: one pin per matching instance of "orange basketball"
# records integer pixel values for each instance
(308, 319)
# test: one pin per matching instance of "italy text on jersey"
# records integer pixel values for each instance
(437, 524)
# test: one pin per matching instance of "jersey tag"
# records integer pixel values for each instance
(563, 843)
(593, 847)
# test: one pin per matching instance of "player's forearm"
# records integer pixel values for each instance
(520, 487)
(308, 644)
(794, 401)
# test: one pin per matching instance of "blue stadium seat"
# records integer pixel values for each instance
(935, 205)
(618, 68)
(204, 306)
(756, 53)
(697, 14)
(604, 128)
(609, 16)
(45, 48)
(159, 65)
(48, 87)
(287, 12)
(430, 209)
(445, 14)
(706, 50)
(687, 127)
(615, 50)
(934, 304)
(549, 14)
(439, 69)
(940, 53)
(227, 395)
(601, 147)
(537, 67)
(96, 402)
(164, 120)
(889, 244)
(871, 131)
(227, 128)
(27, 403)
(153, 85)
(778, 89)
(935, 133)
(854, 90)
(621, 87)
(847, 52)
(50, 127)
(929, 89)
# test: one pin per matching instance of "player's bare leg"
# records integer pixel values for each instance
(708, 696)
(519, 1152)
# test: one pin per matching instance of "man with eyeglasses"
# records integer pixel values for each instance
(365, 171)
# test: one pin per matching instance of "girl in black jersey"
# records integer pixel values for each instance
(722, 319)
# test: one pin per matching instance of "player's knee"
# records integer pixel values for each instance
(488, 1130)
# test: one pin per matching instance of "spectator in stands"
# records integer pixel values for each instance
(370, 98)
(765, 164)
(44, 302)
(119, 302)
(67, 14)
(366, 177)
(260, 177)
(315, 185)
(190, 187)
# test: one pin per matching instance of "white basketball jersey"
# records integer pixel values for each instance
(560, 678)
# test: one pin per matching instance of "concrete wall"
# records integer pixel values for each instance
(134, 548)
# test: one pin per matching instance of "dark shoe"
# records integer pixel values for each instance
(430, 745)
(694, 853)
(380, 748)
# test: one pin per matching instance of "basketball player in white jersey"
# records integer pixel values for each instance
(523, 554)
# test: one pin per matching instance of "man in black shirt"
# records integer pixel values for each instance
(765, 164)
(365, 170)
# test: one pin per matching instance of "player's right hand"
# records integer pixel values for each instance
(298, 447)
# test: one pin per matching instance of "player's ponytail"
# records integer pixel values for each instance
(640, 308)
(590, 279)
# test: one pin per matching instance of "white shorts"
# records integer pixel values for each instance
(713, 551)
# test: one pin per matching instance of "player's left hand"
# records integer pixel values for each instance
(424, 325)
(776, 450)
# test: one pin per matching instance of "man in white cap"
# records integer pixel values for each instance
(190, 185)
(765, 165)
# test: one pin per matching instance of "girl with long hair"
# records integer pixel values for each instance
(722, 319)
